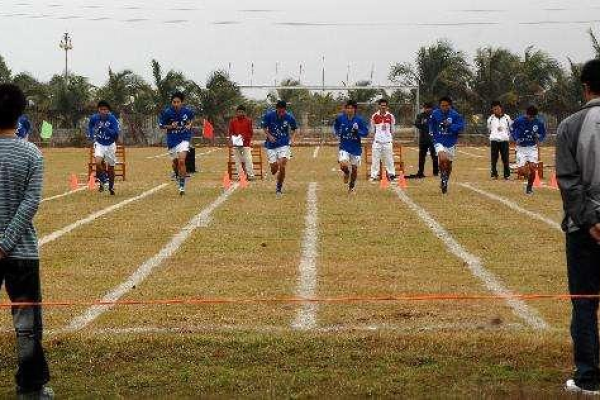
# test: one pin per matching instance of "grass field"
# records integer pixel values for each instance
(149, 244)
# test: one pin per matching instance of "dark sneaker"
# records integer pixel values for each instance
(529, 191)
(444, 185)
(112, 191)
(101, 187)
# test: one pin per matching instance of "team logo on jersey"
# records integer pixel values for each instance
(535, 129)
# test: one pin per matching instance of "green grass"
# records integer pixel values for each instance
(370, 244)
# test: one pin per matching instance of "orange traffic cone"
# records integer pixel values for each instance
(92, 181)
(226, 181)
(74, 182)
(553, 181)
(537, 182)
(243, 180)
(402, 180)
(385, 182)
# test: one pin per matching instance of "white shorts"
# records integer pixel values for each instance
(183, 147)
(526, 155)
(346, 157)
(450, 151)
(107, 153)
(274, 155)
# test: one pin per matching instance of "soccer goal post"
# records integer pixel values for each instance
(316, 107)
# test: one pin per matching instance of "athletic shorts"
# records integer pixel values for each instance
(526, 155)
(345, 157)
(183, 147)
(450, 151)
(107, 153)
(274, 155)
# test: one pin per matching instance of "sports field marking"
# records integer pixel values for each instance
(316, 152)
(91, 218)
(307, 280)
(200, 155)
(491, 282)
(201, 220)
(60, 196)
(198, 329)
(197, 155)
(513, 206)
(470, 154)
(158, 156)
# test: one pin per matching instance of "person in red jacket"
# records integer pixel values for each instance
(241, 130)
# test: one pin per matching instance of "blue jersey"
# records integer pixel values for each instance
(104, 130)
(350, 132)
(182, 117)
(280, 128)
(445, 127)
(23, 127)
(528, 133)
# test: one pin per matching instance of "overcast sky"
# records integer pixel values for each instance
(197, 37)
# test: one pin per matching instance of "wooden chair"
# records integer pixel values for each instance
(120, 167)
(368, 160)
(257, 163)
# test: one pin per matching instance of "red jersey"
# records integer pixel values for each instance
(242, 126)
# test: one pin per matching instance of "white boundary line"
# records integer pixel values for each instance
(513, 206)
(469, 154)
(158, 156)
(307, 281)
(201, 220)
(60, 196)
(316, 152)
(491, 282)
(61, 232)
(200, 155)
(284, 329)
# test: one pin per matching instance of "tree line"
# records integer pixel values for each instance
(495, 73)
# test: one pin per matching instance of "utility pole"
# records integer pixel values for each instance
(66, 44)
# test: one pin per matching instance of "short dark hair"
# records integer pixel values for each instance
(241, 107)
(12, 105)
(104, 103)
(383, 101)
(281, 104)
(496, 103)
(590, 75)
(428, 104)
(446, 99)
(532, 111)
(352, 103)
(178, 95)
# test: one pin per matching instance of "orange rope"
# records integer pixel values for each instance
(295, 300)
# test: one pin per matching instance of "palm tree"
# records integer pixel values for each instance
(439, 70)
(538, 72)
(595, 43)
(5, 72)
(70, 101)
(130, 97)
(495, 69)
(219, 99)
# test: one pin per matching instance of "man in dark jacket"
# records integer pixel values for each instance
(425, 141)
(578, 172)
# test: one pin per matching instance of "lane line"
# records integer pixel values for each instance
(475, 265)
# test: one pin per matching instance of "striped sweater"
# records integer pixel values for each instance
(21, 176)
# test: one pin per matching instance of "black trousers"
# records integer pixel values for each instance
(500, 149)
(425, 148)
(583, 261)
(22, 280)
(190, 161)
